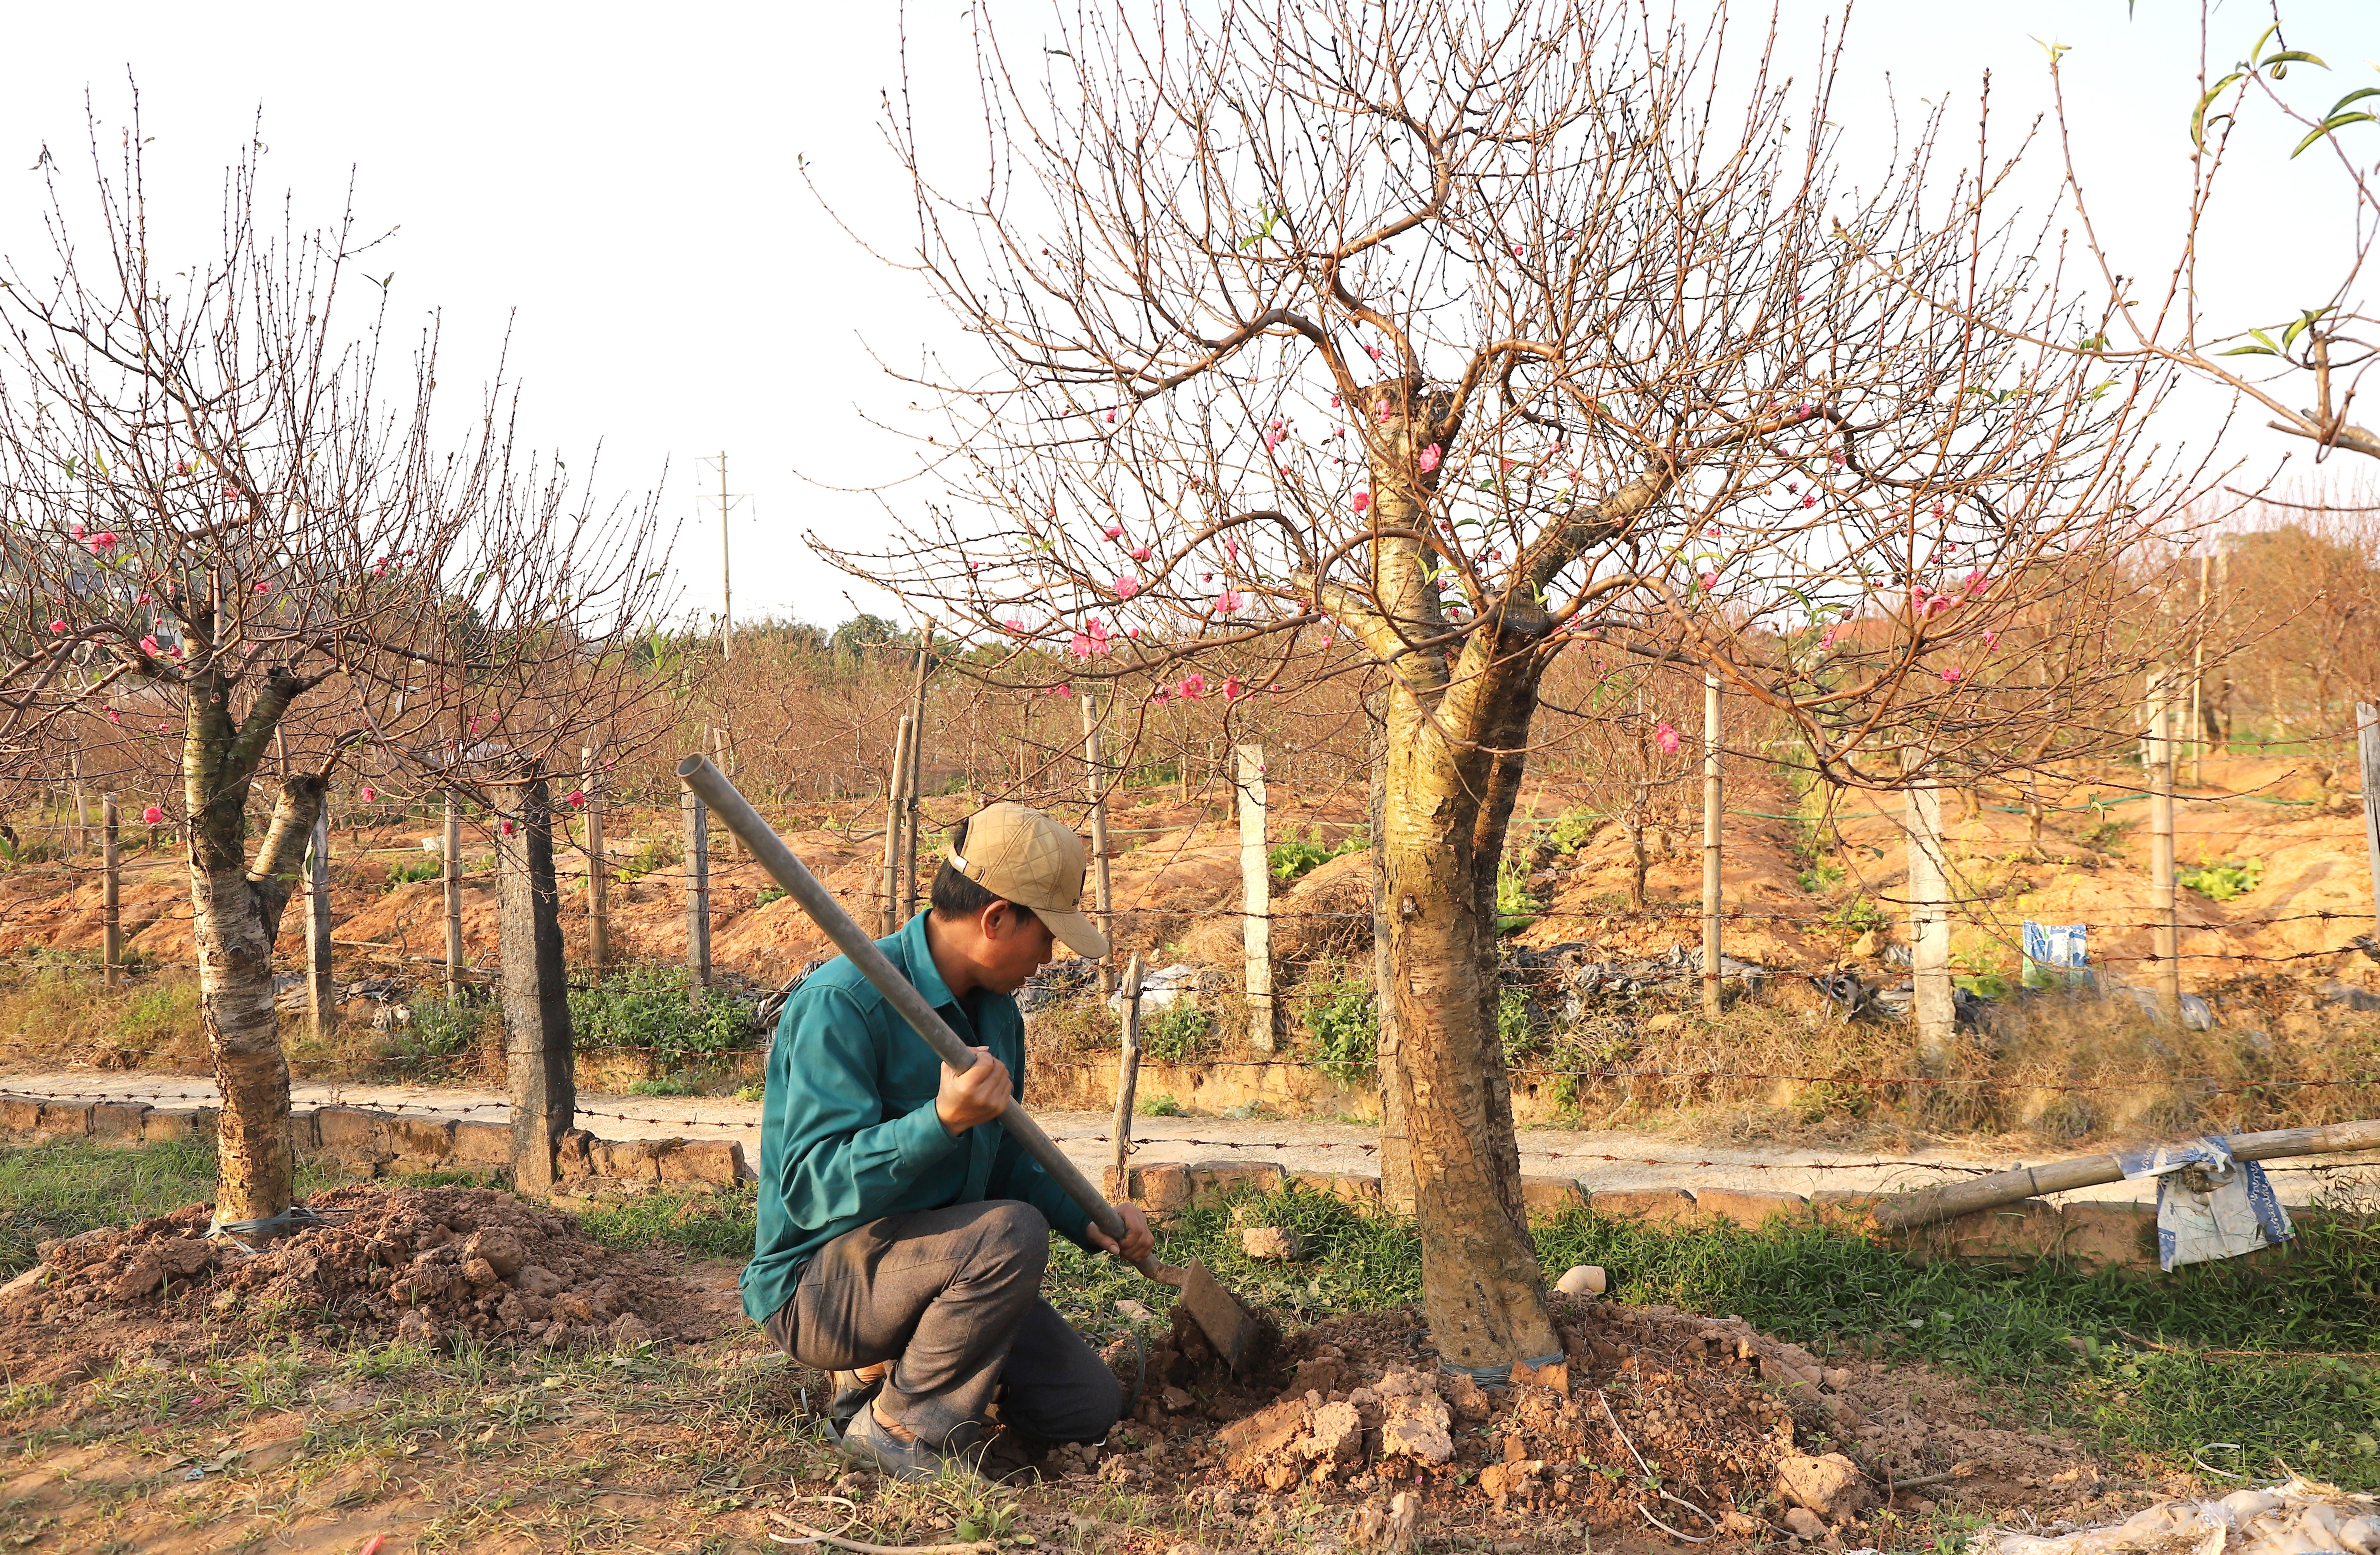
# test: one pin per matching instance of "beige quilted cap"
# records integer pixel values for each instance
(1015, 852)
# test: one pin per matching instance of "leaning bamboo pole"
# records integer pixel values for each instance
(1944, 1201)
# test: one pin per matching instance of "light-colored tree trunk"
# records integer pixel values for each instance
(1454, 756)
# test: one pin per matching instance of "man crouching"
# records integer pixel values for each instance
(902, 1234)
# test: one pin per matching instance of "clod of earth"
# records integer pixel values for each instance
(1272, 1244)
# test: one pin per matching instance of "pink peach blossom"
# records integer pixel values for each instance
(1193, 686)
(1139, 552)
(1710, 581)
(1233, 690)
(1954, 675)
(367, 794)
(75, 530)
(1363, 501)
(154, 815)
(1667, 738)
(1991, 640)
(1126, 585)
(102, 541)
(1228, 602)
(1114, 531)
(1430, 459)
(57, 625)
(578, 797)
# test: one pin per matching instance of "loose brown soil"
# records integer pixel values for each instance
(1654, 1417)
(427, 1265)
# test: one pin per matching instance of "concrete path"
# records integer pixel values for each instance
(1607, 1160)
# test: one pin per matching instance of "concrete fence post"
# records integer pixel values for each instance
(538, 1080)
(1712, 794)
(1934, 1009)
(1256, 897)
(698, 893)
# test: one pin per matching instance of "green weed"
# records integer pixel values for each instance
(649, 1009)
(1181, 1031)
(716, 1224)
(1345, 1022)
(2221, 880)
(1299, 856)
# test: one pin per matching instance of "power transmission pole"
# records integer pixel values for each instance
(726, 590)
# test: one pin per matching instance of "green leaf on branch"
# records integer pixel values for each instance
(2198, 114)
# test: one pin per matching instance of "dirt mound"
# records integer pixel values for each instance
(1704, 1424)
(429, 1265)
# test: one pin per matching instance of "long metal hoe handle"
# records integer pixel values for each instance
(734, 811)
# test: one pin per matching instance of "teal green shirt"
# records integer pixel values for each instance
(848, 1133)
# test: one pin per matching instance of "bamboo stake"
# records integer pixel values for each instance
(894, 815)
(599, 871)
(1094, 779)
(450, 876)
(909, 787)
(111, 894)
(321, 1003)
(1127, 1076)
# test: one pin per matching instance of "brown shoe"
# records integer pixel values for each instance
(854, 1391)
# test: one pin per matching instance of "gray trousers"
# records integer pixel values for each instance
(952, 1298)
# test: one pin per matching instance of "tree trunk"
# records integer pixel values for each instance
(1482, 1291)
(1452, 770)
(238, 915)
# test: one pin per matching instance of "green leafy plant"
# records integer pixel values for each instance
(654, 853)
(653, 1009)
(1857, 915)
(404, 871)
(769, 894)
(440, 1033)
(1300, 856)
(2222, 879)
(1180, 1031)
(1516, 907)
(1517, 1029)
(1159, 1107)
(1345, 1022)
(1572, 829)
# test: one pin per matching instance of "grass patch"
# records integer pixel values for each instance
(716, 1224)
(2303, 1394)
(72, 1186)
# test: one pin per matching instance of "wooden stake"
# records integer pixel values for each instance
(1711, 813)
(321, 997)
(1127, 1074)
(698, 893)
(895, 812)
(599, 869)
(2198, 677)
(1256, 897)
(2162, 900)
(450, 876)
(1095, 782)
(1935, 1008)
(74, 767)
(111, 894)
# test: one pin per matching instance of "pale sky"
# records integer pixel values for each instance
(619, 183)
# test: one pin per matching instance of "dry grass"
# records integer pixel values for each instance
(2052, 1070)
